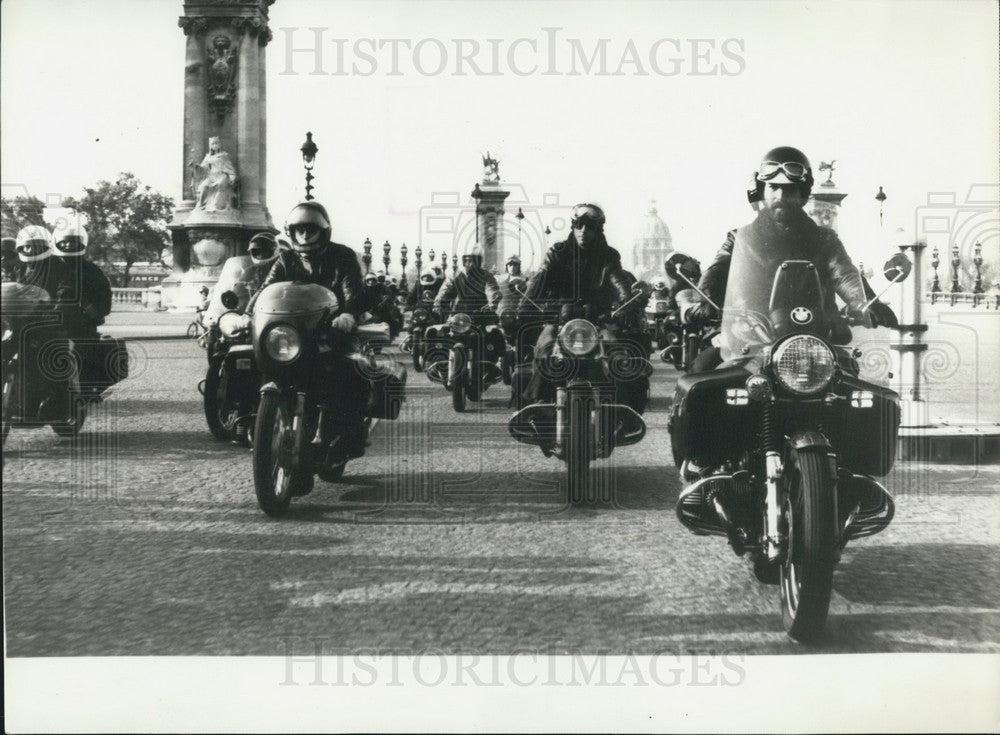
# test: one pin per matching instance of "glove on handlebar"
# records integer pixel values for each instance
(701, 313)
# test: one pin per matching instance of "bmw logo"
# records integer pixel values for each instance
(801, 315)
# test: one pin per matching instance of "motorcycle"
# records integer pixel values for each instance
(308, 367)
(685, 340)
(474, 350)
(791, 479)
(47, 378)
(585, 422)
(658, 315)
(231, 388)
(413, 343)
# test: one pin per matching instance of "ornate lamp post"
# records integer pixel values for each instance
(386, 247)
(454, 264)
(402, 267)
(417, 253)
(978, 262)
(880, 198)
(309, 150)
(444, 263)
(519, 216)
(367, 257)
(430, 258)
(936, 283)
(955, 262)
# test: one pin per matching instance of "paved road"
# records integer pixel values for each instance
(143, 537)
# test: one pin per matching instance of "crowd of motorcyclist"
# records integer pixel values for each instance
(581, 276)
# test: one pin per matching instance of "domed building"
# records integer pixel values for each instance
(652, 246)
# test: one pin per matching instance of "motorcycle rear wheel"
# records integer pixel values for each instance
(806, 579)
(578, 450)
(275, 480)
(215, 417)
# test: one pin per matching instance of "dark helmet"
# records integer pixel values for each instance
(310, 217)
(370, 279)
(263, 247)
(783, 165)
(590, 214)
(513, 260)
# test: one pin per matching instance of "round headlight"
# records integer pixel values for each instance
(508, 317)
(461, 323)
(803, 364)
(283, 343)
(578, 337)
(421, 315)
(231, 322)
(661, 307)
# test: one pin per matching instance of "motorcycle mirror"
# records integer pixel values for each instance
(642, 289)
(230, 300)
(897, 268)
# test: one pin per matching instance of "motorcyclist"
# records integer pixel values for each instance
(426, 284)
(11, 265)
(472, 290)
(263, 249)
(580, 276)
(89, 290)
(315, 258)
(782, 231)
(511, 284)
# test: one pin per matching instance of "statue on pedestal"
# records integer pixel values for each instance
(217, 192)
(491, 169)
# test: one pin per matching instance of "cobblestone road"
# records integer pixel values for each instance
(143, 537)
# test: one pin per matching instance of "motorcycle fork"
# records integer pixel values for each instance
(298, 426)
(774, 473)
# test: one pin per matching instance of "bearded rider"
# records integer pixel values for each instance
(580, 276)
(783, 231)
(314, 258)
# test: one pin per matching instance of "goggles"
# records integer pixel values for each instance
(306, 229)
(262, 253)
(795, 171)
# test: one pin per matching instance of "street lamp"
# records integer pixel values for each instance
(309, 150)
(385, 256)
(417, 253)
(519, 216)
(880, 198)
(402, 267)
(367, 257)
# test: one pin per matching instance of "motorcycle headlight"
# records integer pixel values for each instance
(8, 329)
(283, 343)
(803, 364)
(461, 323)
(421, 315)
(661, 307)
(578, 337)
(231, 322)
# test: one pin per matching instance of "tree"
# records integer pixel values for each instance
(126, 222)
(20, 212)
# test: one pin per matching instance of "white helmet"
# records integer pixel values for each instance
(659, 284)
(70, 240)
(34, 243)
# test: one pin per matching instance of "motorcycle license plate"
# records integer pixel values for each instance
(243, 363)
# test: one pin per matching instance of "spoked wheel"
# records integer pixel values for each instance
(458, 395)
(220, 420)
(474, 385)
(275, 479)
(810, 513)
(416, 354)
(578, 450)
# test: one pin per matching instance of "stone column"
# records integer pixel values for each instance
(824, 206)
(224, 99)
(489, 216)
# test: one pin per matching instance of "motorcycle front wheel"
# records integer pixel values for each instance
(810, 512)
(275, 478)
(416, 354)
(73, 425)
(578, 449)
(217, 418)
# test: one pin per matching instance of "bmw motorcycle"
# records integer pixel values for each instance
(474, 351)
(683, 340)
(790, 479)
(48, 379)
(658, 313)
(414, 344)
(587, 420)
(308, 368)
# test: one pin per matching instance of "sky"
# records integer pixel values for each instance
(901, 94)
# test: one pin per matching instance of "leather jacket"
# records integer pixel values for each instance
(570, 274)
(333, 265)
(468, 292)
(768, 245)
